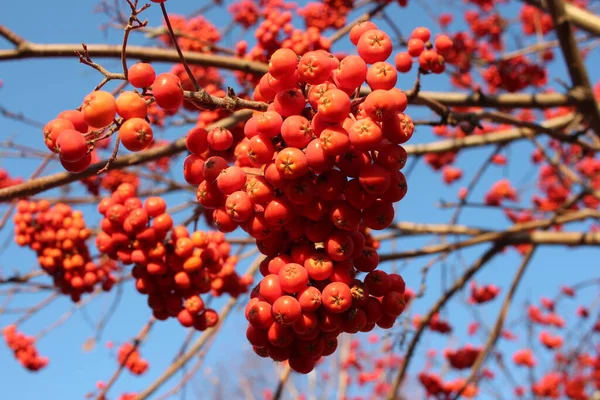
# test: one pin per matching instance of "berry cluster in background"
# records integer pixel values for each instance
(58, 235)
(24, 349)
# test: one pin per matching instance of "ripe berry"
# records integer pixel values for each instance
(71, 145)
(141, 75)
(421, 33)
(136, 134)
(359, 28)
(53, 129)
(282, 63)
(76, 118)
(220, 138)
(403, 62)
(167, 91)
(293, 278)
(374, 45)
(99, 109)
(337, 297)
(131, 105)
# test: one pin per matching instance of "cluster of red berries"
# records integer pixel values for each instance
(435, 387)
(130, 357)
(6, 180)
(110, 181)
(296, 315)
(514, 75)
(172, 266)
(74, 134)
(548, 386)
(194, 34)
(277, 31)
(24, 349)
(245, 13)
(290, 191)
(462, 358)
(534, 20)
(556, 189)
(451, 174)
(436, 324)
(483, 293)
(487, 26)
(550, 341)
(499, 192)
(58, 235)
(328, 14)
(524, 357)
(430, 55)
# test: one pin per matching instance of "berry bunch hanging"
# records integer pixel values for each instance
(171, 266)
(58, 235)
(317, 170)
(24, 349)
(130, 357)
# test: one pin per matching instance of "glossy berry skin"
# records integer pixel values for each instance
(71, 145)
(76, 118)
(403, 62)
(167, 91)
(136, 134)
(79, 165)
(286, 310)
(337, 297)
(131, 105)
(282, 63)
(374, 45)
(53, 129)
(141, 75)
(293, 278)
(99, 109)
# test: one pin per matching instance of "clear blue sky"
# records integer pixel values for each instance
(43, 88)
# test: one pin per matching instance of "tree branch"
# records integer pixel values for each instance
(497, 329)
(503, 136)
(583, 19)
(509, 100)
(516, 234)
(35, 50)
(458, 284)
(572, 55)
(34, 186)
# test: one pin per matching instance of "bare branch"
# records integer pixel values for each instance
(516, 234)
(583, 19)
(469, 273)
(572, 55)
(497, 329)
(503, 136)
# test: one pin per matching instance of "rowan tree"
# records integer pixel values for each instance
(335, 199)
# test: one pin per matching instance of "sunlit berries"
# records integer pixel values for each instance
(58, 235)
(23, 348)
(171, 265)
(99, 109)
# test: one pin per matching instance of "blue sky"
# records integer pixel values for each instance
(42, 88)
